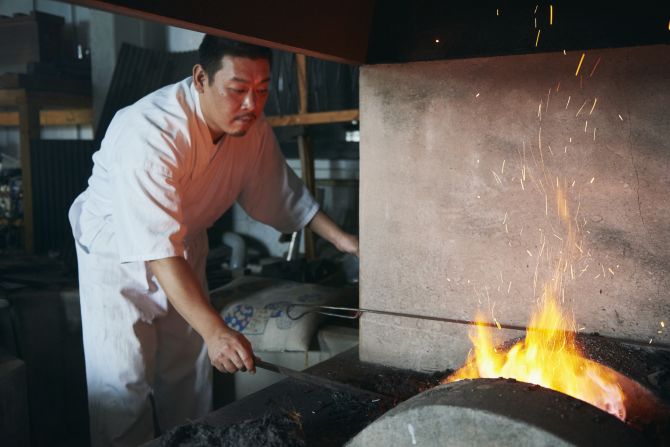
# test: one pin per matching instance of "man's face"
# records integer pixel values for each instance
(235, 98)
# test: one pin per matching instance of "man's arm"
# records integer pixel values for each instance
(228, 350)
(324, 226)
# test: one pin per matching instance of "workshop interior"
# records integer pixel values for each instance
(504, 164)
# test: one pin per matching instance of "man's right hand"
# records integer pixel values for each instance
(229, 351)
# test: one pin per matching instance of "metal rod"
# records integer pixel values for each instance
(356, 312)
(316, 380)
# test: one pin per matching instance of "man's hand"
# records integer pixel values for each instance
(324, 226)
(229, 351)
(347, 243)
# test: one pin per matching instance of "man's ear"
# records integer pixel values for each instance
(199, 78)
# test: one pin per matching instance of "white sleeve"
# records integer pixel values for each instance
(147, 201)
(147, 214)
(272, 193)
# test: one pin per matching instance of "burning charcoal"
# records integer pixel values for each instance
(271, 430)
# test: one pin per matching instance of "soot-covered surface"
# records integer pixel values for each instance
(294, 413)
(284, 430)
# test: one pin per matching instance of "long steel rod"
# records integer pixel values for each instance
(316, 380)
(357, 312)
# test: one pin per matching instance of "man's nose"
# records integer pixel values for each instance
(250, 99)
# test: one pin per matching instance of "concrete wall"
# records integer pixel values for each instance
(447, 228)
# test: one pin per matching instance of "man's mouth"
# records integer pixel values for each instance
(248, 118)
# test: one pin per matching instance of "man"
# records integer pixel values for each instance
(169, 166)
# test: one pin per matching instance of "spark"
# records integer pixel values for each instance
(497, 12)
(535, 22)
(437, 40)
(539, 110)
(650, 340)
(550, 151)
(611, 271)
(620, 117)
(497, 324)
(537, 40)
(558, 237)
(581, 251)
(496, 177)
(573, 184)
(509, 286)
(580, 64)
(592, 179)
(662, 323)
(595, 100)
(586, 124)
(603, 267)
(597, 276)
(558, 86)
(546, 205)
(580, 109)
(594, 68)
(520, 231)
(521, 180)
(551, 14)
(529, 253)
(477, 95)
(546, 109)
(565, 149)
(505, 219)
(448, 280)
(572, 272)
(502, 169)
(568, 103)
(594, 133)
(506, 230)
(564, 53)
(536, 6)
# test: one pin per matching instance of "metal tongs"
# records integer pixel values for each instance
(353, 313)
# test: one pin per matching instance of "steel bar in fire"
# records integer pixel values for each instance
(356, 312)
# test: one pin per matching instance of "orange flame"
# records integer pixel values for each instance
(547, 357)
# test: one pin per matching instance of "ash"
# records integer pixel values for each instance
(269, 431)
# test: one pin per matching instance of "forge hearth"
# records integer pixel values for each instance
(507, 412)
(496, 412)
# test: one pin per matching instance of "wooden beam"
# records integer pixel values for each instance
(326, 29)
(66, 117)
(305, 148)
(306, 119)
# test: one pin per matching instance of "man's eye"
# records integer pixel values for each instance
(262, 91)
(237, 90)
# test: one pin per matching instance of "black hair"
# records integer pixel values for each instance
(212, 50)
